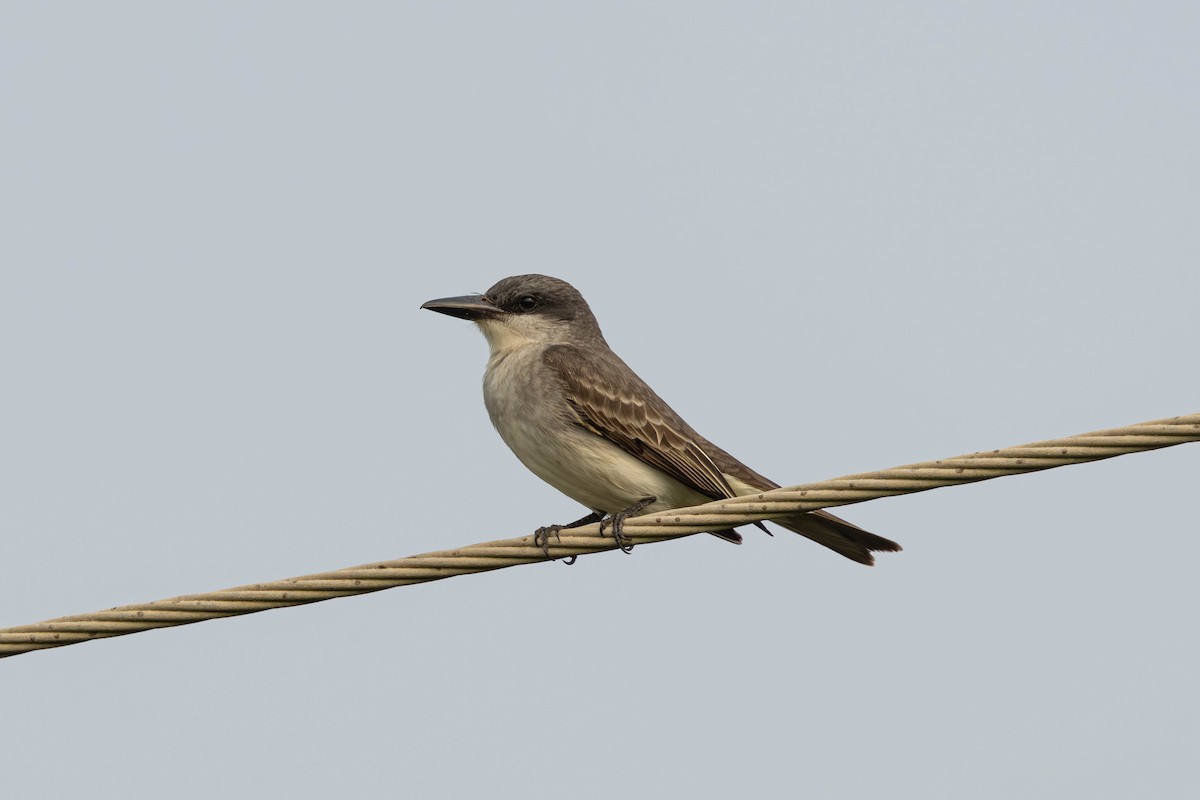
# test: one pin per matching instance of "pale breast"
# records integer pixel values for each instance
(527, 406)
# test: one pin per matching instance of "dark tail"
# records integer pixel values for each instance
(839, 536)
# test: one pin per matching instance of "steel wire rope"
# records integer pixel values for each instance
(655, 527)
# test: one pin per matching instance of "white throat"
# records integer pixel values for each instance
(511, 333)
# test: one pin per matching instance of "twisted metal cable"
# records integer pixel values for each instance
(655, 527)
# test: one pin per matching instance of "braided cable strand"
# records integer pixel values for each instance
(656, 527)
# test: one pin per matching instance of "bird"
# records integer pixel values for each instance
(581, 419)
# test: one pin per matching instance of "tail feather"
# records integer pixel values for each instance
(823, 528)
(839, 536)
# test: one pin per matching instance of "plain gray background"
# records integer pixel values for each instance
(835, 236)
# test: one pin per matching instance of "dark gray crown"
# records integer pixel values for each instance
(541, 294)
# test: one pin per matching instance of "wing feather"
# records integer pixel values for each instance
(611, 401)
(608, 399)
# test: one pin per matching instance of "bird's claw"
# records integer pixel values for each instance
(617, 523)
(541, 538)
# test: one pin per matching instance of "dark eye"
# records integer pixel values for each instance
(527, 303)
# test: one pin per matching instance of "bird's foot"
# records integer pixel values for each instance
(617, 522)
(541, 537)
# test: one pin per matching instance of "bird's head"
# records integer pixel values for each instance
(525, 309)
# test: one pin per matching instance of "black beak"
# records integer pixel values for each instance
(471, 306)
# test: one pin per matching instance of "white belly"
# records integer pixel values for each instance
(587, 468)
(598, 473)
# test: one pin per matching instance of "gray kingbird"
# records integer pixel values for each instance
(580, 419)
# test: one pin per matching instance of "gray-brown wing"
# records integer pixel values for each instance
(611, 401)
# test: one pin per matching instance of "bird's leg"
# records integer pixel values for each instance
(541, 537)
(617, 522)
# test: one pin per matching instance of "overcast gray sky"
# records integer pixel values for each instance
(836, 237)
